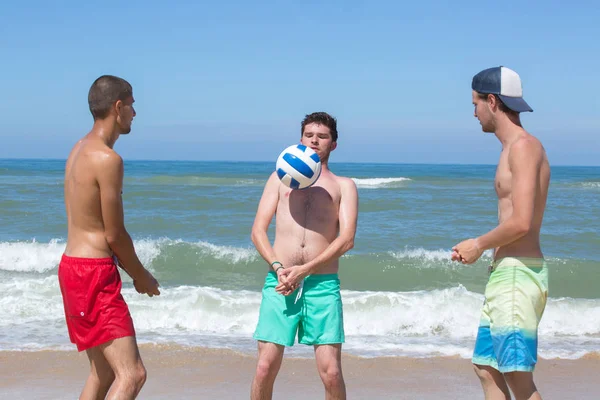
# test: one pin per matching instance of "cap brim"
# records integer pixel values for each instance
(515, 103)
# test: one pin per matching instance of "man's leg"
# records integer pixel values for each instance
(522, 386)
(492, 381)
(270, 356)
(100, 378)
(123, 358)
(520, 308)
(329, 365)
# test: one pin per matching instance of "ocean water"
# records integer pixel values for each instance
(402, 295)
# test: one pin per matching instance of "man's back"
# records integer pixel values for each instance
(82, 199)
(537, 179)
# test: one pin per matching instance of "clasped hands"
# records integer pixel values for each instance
(290, 279)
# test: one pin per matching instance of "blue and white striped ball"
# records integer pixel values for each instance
(298, 166)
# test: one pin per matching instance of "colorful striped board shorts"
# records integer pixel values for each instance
(515, 299)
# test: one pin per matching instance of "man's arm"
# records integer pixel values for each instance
(110, 181)
(524, 160)
(264, 215)
(348, 216)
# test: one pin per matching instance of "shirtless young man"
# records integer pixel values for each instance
(97, 316)
(314, 228)
(515, 296)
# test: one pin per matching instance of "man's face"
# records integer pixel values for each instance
(483, 112)
(318, 137)
(125, 114)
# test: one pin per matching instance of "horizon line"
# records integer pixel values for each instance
(270, 161)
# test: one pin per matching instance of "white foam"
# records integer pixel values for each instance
(30, 256)
(571, 317)
(431, 258)
(196, 310)
(149, 249)
(445, 312)
(230, 254)
(372, 183)
(594, 185)
(33, 256)
(415, 324)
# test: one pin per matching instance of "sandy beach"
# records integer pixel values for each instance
(176, 372)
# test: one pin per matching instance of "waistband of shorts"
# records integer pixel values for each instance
(322, 277)
(105, 261)
(527, 262)
(316, 277)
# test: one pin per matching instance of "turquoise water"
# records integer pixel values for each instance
(402, 296)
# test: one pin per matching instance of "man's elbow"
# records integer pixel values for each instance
(113, 237)
(523, 227)
(255, 235)
(349, 244)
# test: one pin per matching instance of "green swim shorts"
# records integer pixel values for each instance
(515, 299)
(316, 315)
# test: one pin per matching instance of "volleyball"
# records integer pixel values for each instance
(298, 166)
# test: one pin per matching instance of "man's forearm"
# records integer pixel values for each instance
(335, 250)
(263, 246)
(505, 233)
(122, 246)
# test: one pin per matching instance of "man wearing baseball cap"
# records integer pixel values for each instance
(515, 296)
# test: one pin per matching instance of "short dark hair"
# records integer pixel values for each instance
(501, 104)
(321, 118)
(106, 91)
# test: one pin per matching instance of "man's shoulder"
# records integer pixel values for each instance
(527, 150)
(526, 145)
(103, 162)
(96, 152)
(273, 181)
(107, 158)
(343, 179)
(108, 155)
(344, 182)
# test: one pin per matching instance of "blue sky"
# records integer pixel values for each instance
(232, 81)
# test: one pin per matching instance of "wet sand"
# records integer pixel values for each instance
(176, 372)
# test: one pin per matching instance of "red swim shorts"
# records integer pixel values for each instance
(94, 307)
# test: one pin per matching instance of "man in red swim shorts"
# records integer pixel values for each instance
(97, 316)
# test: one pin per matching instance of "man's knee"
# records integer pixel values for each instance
(140, 375)
(521, 383)
(331, 376)
(134, 376)
(266, 369)
(484, 375)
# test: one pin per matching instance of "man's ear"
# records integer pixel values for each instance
(118, 106)
(492, 102)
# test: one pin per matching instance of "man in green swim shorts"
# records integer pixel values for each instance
(515, 296)
(301, 296)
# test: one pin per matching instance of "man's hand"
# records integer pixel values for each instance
(290, 279)
(467, 251)
(146, 284)
(281, 278)
(455, 256)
